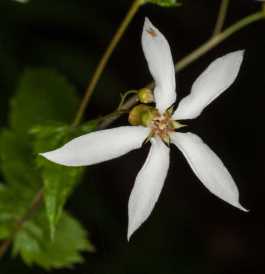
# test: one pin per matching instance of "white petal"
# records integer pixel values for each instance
(158, 55)
(219, 75)
(99, 146)
(208, 167)
(148, 185)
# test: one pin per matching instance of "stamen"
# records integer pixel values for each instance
(161, 126)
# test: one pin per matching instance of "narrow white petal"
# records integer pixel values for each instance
(99, 146)
(208, 167)
(219, 75)
(148, 185)
(158, 55)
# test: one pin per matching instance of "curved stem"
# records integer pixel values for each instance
(221, 17)
(217, 39)
(121, 110)
(104, 60)
(124, 96)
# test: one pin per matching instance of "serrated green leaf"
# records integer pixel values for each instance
(34, 245)
(59, 181)
(164, 3)
(17, 161)
(21, 176)
(33, 240)
(22, 180)
(7, 213)
(12, 207)
(42, 95)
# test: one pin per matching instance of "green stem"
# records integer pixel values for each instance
(104, 60)
(221, 17)
(214, 41)
(121, 110)
(124, 96)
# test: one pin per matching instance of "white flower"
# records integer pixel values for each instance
(107, 144)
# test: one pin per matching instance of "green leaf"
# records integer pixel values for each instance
(42, 95)
(34, 245)
(23, 181)
(33, 241)
(164, 3)
(19, 171)
(59, 181)
(7, 213)
(17, 161)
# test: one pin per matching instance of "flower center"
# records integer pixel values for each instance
(161, 125)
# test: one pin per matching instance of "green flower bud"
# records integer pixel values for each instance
(145, 95)
(141, 115)
(148, 116)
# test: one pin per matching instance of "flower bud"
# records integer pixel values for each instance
(142, 115)
(148, 116)
(145, 95)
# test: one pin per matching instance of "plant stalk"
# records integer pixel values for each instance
(214, 41)
(104, 60)
(221, 17)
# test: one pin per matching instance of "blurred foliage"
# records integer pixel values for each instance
(21, 177)
(45, 101)
(42, 95)
(58, 180)
(164, 3)
(35, 246)
(51, 99)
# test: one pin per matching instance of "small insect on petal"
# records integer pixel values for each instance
(152, 32)
(159, 58)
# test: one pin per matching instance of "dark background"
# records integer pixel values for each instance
(190, 230)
